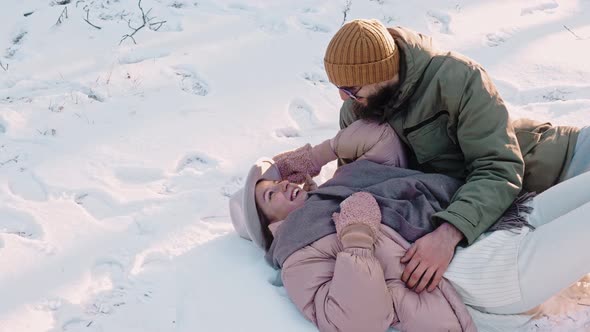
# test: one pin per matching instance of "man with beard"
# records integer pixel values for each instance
(451, 119)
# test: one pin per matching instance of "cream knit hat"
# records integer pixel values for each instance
(242, 204)
(362, 52)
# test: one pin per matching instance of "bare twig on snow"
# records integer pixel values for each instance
(3, 67)
(88, 21)
(14, 159)
(573, 33)
(62, 16)
(347, 6)
(47, 132)
(159, 24)
(147, 21)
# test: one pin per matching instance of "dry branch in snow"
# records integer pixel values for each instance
(147, 21)
(346, 10)
(573, 33)
(88, 20)
(13, 159)
(62, 16)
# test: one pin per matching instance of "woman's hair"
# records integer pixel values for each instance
(266, 233)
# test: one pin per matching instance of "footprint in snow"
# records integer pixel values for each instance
(439, 21)
(102, 205)
(309, 10)
(150, 260)
(390, 20)
(111, 268)
(98, 204)
(264, 22)
(557, 94)
(179, 4)
(240, 7)
(69, 317)
(547, 7)
(17, 41)
(316, 78)
(189, 172)
(21, 224)
(27, 186)
(287, 132)
(190, 81)
(545, 94)
(272, 25)
(315, 27)
(497, 38)
(564, 92)
(115, 273)
(302, 114)
(125, 290)
(49, 304)
(197, 161)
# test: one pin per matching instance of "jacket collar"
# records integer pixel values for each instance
(275, 226)
(415, 54)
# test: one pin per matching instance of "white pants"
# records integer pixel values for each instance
(557, 253)
(581, 159)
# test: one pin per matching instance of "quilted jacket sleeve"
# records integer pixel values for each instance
(346, 292)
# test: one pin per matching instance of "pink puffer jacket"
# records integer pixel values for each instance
(358, 289)
(361, 289)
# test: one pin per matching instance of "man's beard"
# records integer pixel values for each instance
(377, 104)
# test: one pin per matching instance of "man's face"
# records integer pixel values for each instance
(375, 106)
(358, 93)
(364, 93)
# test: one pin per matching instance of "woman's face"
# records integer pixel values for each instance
(277, 199)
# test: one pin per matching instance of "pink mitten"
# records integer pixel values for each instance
(358, 222)
(293, 165)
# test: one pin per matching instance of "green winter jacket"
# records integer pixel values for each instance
(547, 151)
(448, 113)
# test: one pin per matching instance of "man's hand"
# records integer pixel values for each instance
(429, 257)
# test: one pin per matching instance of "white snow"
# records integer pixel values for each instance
(117, 160)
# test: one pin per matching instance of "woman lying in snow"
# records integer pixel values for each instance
(339, 246)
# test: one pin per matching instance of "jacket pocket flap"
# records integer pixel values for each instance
(430, 140)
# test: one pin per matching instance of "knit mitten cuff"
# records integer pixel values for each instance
(357, 236)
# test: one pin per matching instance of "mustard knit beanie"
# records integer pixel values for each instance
(362, 52)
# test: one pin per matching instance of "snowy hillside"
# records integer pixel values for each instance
(120, 144)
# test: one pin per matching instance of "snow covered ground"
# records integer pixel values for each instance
(117, 158)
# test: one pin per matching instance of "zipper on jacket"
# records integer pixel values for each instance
(422, 124)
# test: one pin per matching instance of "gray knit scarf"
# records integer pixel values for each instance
(407, 199)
